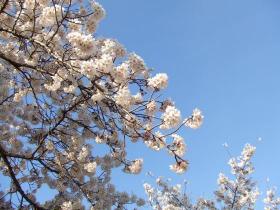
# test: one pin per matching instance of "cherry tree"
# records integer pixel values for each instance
(64, 91)
(238, 193)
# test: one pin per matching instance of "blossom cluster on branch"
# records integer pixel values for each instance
(239, 193)
(63, 91)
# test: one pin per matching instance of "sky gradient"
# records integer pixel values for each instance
(221, 56)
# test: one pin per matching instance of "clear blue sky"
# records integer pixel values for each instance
(221, 56)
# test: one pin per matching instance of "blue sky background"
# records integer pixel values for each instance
(221, 56)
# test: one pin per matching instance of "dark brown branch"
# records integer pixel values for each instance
(15, 181)
(4, 6)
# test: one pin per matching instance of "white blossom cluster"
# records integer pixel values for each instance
(159, 142)
(196, 119)
(178, 145)
(271, 201)
(63, 92)
(179, 167)
(171, 118)
(124, 98)
(135, 167)
(241, 192)
(158, 82)
(50, 15)
(84, 45)
(168, 197)
(90, 167)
